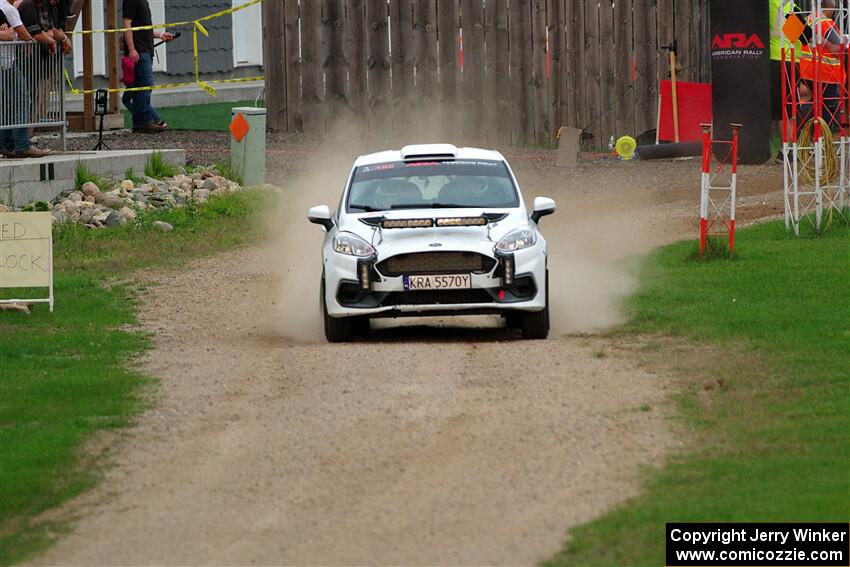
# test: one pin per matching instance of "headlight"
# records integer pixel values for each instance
(517, 240)
(353, 245)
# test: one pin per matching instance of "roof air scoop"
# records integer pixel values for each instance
(420, 152)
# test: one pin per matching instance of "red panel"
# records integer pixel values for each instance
(694, 109)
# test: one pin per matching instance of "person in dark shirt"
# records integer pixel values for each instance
(138, 47)
(38, 17)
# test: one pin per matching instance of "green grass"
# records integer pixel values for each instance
(210, 117)
(158, 168)
(130, 174)
(64, 376)
(83, 175)
(774, 443)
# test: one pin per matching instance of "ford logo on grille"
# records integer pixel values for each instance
(435, 245)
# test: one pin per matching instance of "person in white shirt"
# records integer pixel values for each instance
(14, 142)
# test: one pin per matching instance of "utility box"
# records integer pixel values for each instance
(248, 144)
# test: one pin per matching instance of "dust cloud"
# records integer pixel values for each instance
(592, 271)
(590, 275)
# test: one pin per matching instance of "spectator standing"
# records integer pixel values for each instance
(14, 143)
(139, 48)
(828, 66)
(40, 17)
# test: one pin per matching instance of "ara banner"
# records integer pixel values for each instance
(740, 75)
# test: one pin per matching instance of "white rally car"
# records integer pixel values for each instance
(433, 230)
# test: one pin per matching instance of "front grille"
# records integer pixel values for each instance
(437, 297)
(424, 263)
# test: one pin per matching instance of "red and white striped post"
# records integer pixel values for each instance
(733, 188)
(704, 189)
(713, 210)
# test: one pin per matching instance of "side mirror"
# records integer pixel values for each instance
(321, 214)
(542, 206)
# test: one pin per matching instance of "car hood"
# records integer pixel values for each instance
(390, 241)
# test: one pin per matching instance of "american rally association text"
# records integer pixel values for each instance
(755, 534)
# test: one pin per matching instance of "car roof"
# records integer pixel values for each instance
(424, 151)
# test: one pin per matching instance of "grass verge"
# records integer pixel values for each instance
(772, 444)
(65, 376)
(211, 117)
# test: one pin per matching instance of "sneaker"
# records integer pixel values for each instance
(7, 154)
(31, 152)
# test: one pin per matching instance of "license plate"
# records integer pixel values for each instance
(453, 281)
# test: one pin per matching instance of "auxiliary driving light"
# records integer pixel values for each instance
(462, 221)
(508, 270)
(407, 223)
(364, 274)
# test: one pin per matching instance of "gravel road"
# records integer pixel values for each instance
(430, 443)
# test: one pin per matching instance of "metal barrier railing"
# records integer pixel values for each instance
(32, 87)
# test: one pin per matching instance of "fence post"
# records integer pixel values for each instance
(294, 68)
(520, 38)
(378, 64)
(472, 23)
(401, 36)
(540, 104)
(311, 69)
(356, 56)
(275, 57)
(448, 45)
(497, 111)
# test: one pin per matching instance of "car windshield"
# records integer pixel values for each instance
(423, 185)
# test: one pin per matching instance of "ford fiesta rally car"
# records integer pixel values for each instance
(433, 230)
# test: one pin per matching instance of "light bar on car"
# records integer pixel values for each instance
(462, 221)
(508, 269)
(364, 274)
(407, 223)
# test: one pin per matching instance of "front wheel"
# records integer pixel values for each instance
(336, 330)
(535, 324)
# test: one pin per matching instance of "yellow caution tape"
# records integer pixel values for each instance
(197, 26)
(172, 24)
(158, 87)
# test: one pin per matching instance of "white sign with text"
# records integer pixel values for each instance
(26, 254)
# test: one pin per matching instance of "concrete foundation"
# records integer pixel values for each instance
(23, 181)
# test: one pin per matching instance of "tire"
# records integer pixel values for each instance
(336, 330)
(360, 326)
(513, 320)
(535, 324)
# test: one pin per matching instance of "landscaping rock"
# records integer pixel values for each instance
(113, 200)
(59, 216)
(4, 209)
(114, 219)
(94, 208)
(86, 216)
(70, 207)
(90, 188)
(127, 214)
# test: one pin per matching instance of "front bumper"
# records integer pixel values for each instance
(388, 298)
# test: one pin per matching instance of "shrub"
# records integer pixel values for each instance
(83, 175)
(158, 168)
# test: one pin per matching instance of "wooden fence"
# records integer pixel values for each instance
(488, 71)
